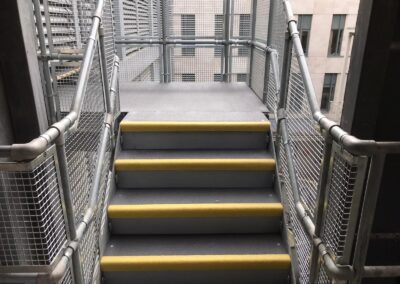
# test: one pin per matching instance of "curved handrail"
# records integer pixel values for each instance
(32, 149)
(348, 141)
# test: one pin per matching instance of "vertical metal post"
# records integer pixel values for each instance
(103, 66)
(69, 206)
(253, 34)
(367, 214)
(165, 34)
(45, 63)
(319, 211)
(227, 32)
(287, 60)
(268, 55)
(160, 35)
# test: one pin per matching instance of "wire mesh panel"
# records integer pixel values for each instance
(258, 72)
(241, 19)
(302, 241)
(277, 20)
(272, 88)
(141, 63)
(346, 177)
(109, 31)
(262, 17)
(190, 19)
(203, 65)
(32, 225)
(240, 63)
(307, 141)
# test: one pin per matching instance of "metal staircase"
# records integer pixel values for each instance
(195, 201)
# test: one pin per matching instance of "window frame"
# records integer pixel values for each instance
(185, 77)
(336, 40)
(302, 30)
(328, 91)
(188, 32)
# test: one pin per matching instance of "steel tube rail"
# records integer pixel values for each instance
(227, 20)
(34, 148)
(71, 251)
(349, 142)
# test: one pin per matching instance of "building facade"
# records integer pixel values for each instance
(327, 31)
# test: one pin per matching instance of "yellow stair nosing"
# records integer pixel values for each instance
(195, 164)
(195, 126)
(195, 210)
(196, 262)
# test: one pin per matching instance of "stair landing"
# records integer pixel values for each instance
(189, 97)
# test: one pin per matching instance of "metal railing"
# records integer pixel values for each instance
(329, 178)
(52, 197)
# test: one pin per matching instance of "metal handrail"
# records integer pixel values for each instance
(348, 141)
(32, 149)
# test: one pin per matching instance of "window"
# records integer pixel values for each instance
(218, 77)
(189, 77)
(335, 44)
(244, 32)
(219, 33)
(188, 30)
(241, 77)
(328, 91)
(304, 26)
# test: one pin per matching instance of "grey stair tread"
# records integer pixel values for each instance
(194, 195)
(199, 154)
(195, 116)
(195, 245)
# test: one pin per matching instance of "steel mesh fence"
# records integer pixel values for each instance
(278, 22)
(240, 63)
(302, 241)
(203, 65)
(32, 226)
(343, 199)
(141, 64)
(109, 31)
(271, 95)
(241, 19)
(262, 15)
(307, 141)
(258, 72)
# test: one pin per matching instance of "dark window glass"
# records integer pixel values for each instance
(218, 77)
(188, 77)
(304, 26)
(335, 44)
(244, 31)
(241, 78)
(328, 91)
(219, 33)
(188, 30)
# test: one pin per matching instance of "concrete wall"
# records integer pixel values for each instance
(318, 59)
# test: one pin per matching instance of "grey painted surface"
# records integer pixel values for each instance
(194, 179)
(199, 277)
(194, 195)
(195, 140)
(209, 154)
(189, 97)
(195, 245)
(189, 226)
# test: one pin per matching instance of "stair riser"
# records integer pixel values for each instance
(194, 140)
(199, 277)
(194, 179)
(213, 225)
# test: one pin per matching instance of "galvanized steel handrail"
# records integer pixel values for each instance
(32, 149)
(348, 141)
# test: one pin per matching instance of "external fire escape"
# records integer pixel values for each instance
(146, 177)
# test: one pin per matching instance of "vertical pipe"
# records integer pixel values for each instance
(45, 63)
(227, 18)
(165, 34)
(320, 205)
(69, 206)
(253, 33)
(367, 214)
(103, 66)
(287, 60)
